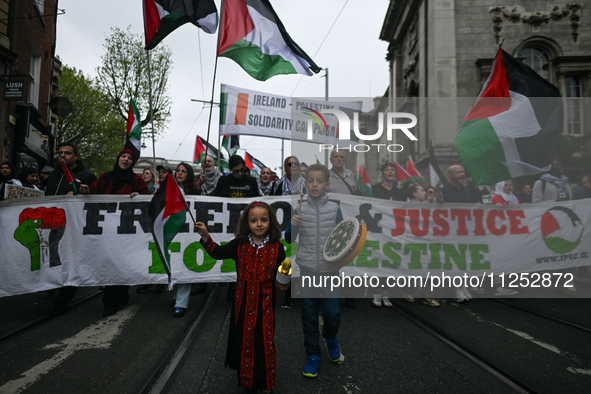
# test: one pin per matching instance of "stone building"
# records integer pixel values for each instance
(29, 79)
(441, 51)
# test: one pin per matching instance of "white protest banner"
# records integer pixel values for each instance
(100, 240)
(248, 112)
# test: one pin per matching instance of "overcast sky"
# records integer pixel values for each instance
(352, 52)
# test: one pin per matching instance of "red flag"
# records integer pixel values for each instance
(247, 162)
(69, 176)
(401, 175)
(412, 170)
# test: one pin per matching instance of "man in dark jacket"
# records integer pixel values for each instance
(57, 184)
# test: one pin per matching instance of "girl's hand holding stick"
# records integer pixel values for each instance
(202, 230)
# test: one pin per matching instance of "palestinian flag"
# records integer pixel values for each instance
(231, 143)
(401, 175)
(255, 165)
(134, 130)
(514, 127)
(200, 153)
(161, 17)
(167, 214)
(253, 36)
(69, 176)
(412, 170)
(363, 182)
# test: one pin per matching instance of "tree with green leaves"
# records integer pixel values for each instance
(124, 75)
(92, 125)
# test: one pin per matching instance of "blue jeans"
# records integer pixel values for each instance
(331, 313)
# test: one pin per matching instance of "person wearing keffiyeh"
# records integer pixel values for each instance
(291, 183)
(208, 179)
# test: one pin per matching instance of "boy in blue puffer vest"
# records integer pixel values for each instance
(313, 225)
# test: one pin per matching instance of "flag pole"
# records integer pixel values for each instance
(215, 68)
(155, 174)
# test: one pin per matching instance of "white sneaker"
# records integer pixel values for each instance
(377, 300)
(408, 297)
(386, 302)
(466, 293)
(501, 292)
(460, 297)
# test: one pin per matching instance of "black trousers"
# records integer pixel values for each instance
(116, 295)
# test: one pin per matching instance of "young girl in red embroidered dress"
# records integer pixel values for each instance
(257, 253)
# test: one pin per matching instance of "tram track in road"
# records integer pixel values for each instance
(45, 317)
(547, 316)
(159, 378)
(491, 368)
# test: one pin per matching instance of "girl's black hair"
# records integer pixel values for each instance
(242, 230)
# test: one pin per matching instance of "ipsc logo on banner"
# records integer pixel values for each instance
(344, 129)
(562, 229)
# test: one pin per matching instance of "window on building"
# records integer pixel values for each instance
(34, 75)
(574, 105)
(538, 60)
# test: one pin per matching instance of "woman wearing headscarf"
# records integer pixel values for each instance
(208, 179)
(122, 180)
(504, 194)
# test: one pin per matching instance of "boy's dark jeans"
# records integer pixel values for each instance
(329, 304)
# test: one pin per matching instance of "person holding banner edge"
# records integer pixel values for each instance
(57, 185)
(122, 180)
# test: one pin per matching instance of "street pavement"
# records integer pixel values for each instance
(81, 352)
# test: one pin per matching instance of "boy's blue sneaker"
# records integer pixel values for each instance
(311, 368)
(334, 350)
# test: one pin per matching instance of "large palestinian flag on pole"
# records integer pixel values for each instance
(134, 130)
(514, 127)
(253, 36)
(161, 17)
(167, 214)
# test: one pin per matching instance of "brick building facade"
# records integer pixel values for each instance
(27, 66)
